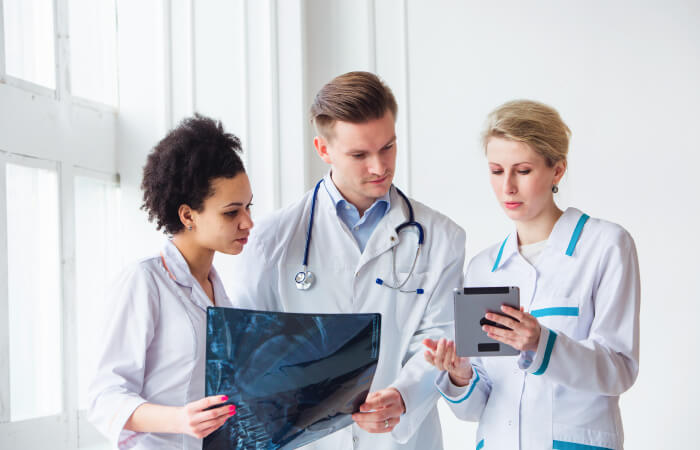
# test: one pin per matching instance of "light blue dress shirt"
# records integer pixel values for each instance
(360, 227)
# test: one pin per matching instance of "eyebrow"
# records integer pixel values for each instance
(237, 203)
(356, 150)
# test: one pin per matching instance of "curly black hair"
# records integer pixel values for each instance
(181, 167)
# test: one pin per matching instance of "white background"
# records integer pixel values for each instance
(624, 76)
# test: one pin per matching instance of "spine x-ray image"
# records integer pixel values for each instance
(294, 378)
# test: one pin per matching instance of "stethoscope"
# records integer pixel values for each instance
(305, 279)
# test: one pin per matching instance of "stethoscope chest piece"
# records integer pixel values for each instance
(304, 279)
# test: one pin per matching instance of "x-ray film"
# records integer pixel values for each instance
(294, 378)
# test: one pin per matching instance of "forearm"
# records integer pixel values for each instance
(152, 418)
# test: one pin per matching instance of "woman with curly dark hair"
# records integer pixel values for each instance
(149, 387)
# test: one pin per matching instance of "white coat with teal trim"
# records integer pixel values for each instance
(345, 283)
(585, 293)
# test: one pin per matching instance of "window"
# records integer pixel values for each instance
(34, 292)
(29, 41)
(93, 50)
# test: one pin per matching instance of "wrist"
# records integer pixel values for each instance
(461, 381)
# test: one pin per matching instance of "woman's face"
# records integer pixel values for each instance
(521, 179)
(224, 223)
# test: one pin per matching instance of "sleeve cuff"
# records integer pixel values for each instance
(538, 362)
(116, 432)
(452, 393)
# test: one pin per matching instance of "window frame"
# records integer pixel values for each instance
(62, 92)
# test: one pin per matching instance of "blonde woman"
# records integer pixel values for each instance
(578, 327)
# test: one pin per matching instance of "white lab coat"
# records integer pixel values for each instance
(565, 395)
(345, 283)
(153, 348)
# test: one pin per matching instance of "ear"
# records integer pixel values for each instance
(186, 215)
(321, 145)
(559, 170)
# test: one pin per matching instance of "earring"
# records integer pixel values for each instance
(555, 189)
(189, 227)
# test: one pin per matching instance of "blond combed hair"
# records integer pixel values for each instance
(533, 123)
(355, 97)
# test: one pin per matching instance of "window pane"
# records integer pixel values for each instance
(93, 50)
(98, 260)
(34, 292)
(29, 41)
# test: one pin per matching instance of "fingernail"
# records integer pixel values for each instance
(483, 327)
(224, 398)
(232, 413)
(231, 408)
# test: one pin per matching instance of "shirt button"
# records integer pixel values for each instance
(347, 206)
(510, 423)
(355, 441)
(357, 228)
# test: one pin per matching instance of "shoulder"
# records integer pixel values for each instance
(271, 231)
(610, 232)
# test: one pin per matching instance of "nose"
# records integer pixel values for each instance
(376, 165)
(247, 221)
(509, 185)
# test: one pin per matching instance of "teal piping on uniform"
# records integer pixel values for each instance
(556, 311)
(480, 445)
(577, 234)
(547, 353)
(469, 392)
(563, 445)
(500, 253)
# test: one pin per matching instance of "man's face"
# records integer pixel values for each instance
(362, 157)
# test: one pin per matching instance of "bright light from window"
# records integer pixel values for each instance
(93, 50)
(29, 41)
(34, 292)
(98, 260)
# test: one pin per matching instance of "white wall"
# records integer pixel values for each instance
(624, 77)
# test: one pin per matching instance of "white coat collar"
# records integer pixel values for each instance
(559, 239)
(384, 236)
(178, 270)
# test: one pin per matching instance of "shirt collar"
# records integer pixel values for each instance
(559, 238)
(339, 201)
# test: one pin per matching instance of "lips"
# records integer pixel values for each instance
(243, 240)
(379, 181)
(512, 205)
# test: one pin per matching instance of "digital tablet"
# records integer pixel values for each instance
(471, 306)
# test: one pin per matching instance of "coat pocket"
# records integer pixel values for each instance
(559, 314)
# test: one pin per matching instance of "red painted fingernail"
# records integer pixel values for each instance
(231, 408)
(224, 398)
(232, 413)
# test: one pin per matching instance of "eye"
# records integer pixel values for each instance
(358, 155)
(388, 147)
(496, 171)
(249, 206)
(524, 171)
(233, 213)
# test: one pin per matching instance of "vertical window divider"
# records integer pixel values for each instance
(4, 301)
(62, 49)
(66, 180)
(2, 41)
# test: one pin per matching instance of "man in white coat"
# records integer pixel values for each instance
(362, 264)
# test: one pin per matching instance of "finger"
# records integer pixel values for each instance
(429, 357)
(503, 320)
(207, 402)
(449, 355)
(512, 312)
(378, 416)
(213, 427)
(498, 333)
(515, 343)
(440, 354)
(431, 344)
(213, 414)
(379, 399)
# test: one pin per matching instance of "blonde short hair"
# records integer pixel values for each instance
(533, 123)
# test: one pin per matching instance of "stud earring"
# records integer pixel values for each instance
(555, 189)
(189, 227)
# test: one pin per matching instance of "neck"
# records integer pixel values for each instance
(539, 228)
(198, 259)
(362, 203)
